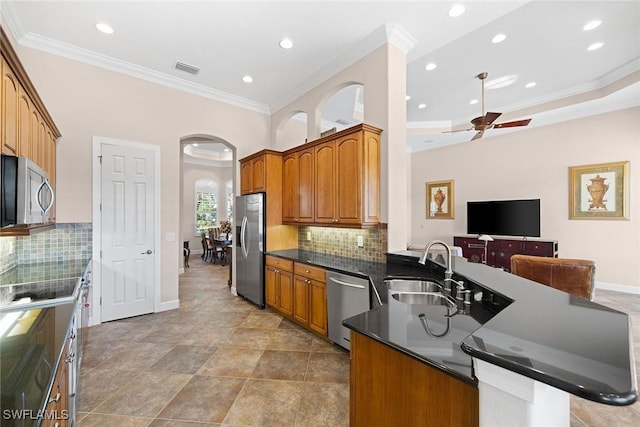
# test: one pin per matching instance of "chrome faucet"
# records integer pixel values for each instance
(448, 272)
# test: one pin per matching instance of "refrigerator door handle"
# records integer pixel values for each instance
(243, 233)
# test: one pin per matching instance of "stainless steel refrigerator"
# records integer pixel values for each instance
(250, 247)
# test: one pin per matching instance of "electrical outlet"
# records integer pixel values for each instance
(308, 235)
(360, 241)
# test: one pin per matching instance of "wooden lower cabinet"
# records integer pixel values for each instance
(279, 285)
(297, 291)
(389, 388)
(57, 409)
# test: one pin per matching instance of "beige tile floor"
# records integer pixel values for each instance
(218, 360)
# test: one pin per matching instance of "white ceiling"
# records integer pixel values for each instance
(229, 39)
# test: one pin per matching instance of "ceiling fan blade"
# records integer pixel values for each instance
(512, 124)
(456, 130)
(490, 118)
(478, 135)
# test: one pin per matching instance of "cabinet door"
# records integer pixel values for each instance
(258, 174)
(318, 307)
(286, 293)
(24, 124)
(246, 177)
(325, 183)
(271, 278)
(349, 189)
(301, 300)
(290, 188)
(10, 93)
(305, 181)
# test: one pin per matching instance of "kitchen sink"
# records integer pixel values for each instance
(423, 298)
(412, 285)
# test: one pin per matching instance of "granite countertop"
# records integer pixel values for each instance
(558, 339)
(31, 344)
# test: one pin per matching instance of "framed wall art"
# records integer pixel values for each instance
(599, 191)
(440, 200)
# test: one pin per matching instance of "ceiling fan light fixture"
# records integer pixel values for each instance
(456, 10)
(591, 25)
(430, 66)
(501, 82)
(498, 38)
(595, 46)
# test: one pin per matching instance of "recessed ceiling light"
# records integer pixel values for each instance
(430, 66)
(195, 145)
(530, 85)
(407, 97)
(226, 150)
(286, 43)
(456, 10)
(501, 82)
(498, 38)
(421, 106)
(591, 25)
(473, 101)
(104, 27)
(247, 79)
(595, 46)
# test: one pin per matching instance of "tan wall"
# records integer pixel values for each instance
(87, 101)
(534, 163)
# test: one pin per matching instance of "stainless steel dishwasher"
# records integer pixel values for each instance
(346, 296)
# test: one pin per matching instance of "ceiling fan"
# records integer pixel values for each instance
(485, 121)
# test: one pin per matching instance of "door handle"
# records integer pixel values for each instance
(148, 252)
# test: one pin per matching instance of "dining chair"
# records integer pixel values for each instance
(207, 247)
(217, 248)
(574, 276)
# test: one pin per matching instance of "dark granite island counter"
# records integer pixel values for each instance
(526, 358)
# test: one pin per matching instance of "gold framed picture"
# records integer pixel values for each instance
(599, 191)
(440, 200)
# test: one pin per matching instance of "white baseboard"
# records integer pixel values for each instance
(635, 290)
(168, 305)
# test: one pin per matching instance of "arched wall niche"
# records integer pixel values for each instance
(291, 131)
(342, 107)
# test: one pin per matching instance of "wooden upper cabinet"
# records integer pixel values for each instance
(290, 188)
(10, 94)
(337, 178)
(325, 183)
(297, 187)
(26, 128)
(256, 171)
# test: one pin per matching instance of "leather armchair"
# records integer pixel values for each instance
(575, 276)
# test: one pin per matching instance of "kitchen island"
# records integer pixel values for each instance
(537, 348)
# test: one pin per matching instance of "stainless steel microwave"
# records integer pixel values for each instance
(26, 195)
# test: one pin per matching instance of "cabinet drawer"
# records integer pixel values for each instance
(310, 271)
(281, 263)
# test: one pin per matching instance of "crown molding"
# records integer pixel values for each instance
(389, 33)
(103, 61)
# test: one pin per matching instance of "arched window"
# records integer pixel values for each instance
(206, 205)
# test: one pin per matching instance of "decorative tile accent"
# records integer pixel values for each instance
(343, 242)
(64, 243)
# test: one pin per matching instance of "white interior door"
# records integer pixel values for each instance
(127, 231)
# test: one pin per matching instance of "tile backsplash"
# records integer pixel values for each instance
(64, 243)
(344, 242)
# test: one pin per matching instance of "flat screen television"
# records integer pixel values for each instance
(504, 217)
